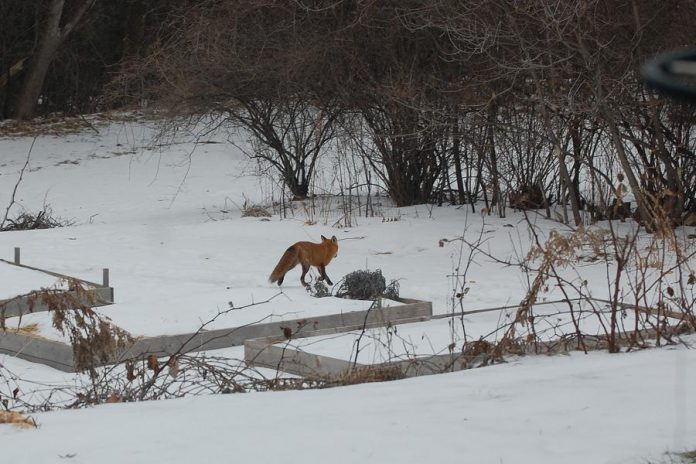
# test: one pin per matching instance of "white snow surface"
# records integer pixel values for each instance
(165, 219)
(573, 409)
(18, 281)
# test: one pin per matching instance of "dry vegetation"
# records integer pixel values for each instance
(57, 124)
(16, 418)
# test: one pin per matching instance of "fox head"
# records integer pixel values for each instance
(332, 243)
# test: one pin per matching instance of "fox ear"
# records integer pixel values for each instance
(334, 239)
(324, 238)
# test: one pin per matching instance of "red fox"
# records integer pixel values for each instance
(307, 254)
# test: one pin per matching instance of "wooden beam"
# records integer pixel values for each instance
(293, 361)
(51, 273)
(55, 354)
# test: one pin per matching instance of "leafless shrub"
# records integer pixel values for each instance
(648, 277)
(289, 134)
(527, 197)
(44, 219)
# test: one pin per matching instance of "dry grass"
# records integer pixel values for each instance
(366, 375)
(255, 211)
(16, 418)
(60, 124)
(49, 125)
(28, 329)
(356, 376)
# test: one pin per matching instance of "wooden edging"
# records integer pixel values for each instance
(60, 356)
(262, 354)
(16, 263)
(270, 354)
(93, 295)
(53, 353)
(168, 345)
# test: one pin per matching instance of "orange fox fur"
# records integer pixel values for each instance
(306, 254)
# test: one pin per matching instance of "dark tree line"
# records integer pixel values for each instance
(516, 103)
(58, 55)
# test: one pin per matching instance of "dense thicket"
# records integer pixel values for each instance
(522, 103)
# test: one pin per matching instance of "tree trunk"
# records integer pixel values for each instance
(52, 37)
(643, 207)
(457, 158)
(568, 184)
(135, 27)
(496, 199)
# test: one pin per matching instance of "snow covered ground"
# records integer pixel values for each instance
(19, 281)
(596, 408)
(165, 219)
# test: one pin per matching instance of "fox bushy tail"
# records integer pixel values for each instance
(287, 262)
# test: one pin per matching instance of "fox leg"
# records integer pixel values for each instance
(322, 271)
(305, 269)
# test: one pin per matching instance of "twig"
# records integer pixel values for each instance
(16, 186)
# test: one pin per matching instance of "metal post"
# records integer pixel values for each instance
(16, 257)
(105, 277)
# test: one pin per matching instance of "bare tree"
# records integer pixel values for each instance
(56, 29)
(290, 133)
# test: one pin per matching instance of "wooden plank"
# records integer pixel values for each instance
(38, 350)
(297, 362)
(51, 273)
(292, 361)
(649, 311)
(502, 308)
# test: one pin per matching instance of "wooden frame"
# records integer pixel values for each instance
(33, 348)
(59, 355)
(272, 353)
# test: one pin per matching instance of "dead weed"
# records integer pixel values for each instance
(17, 419)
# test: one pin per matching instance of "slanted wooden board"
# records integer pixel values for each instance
(260, 353)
